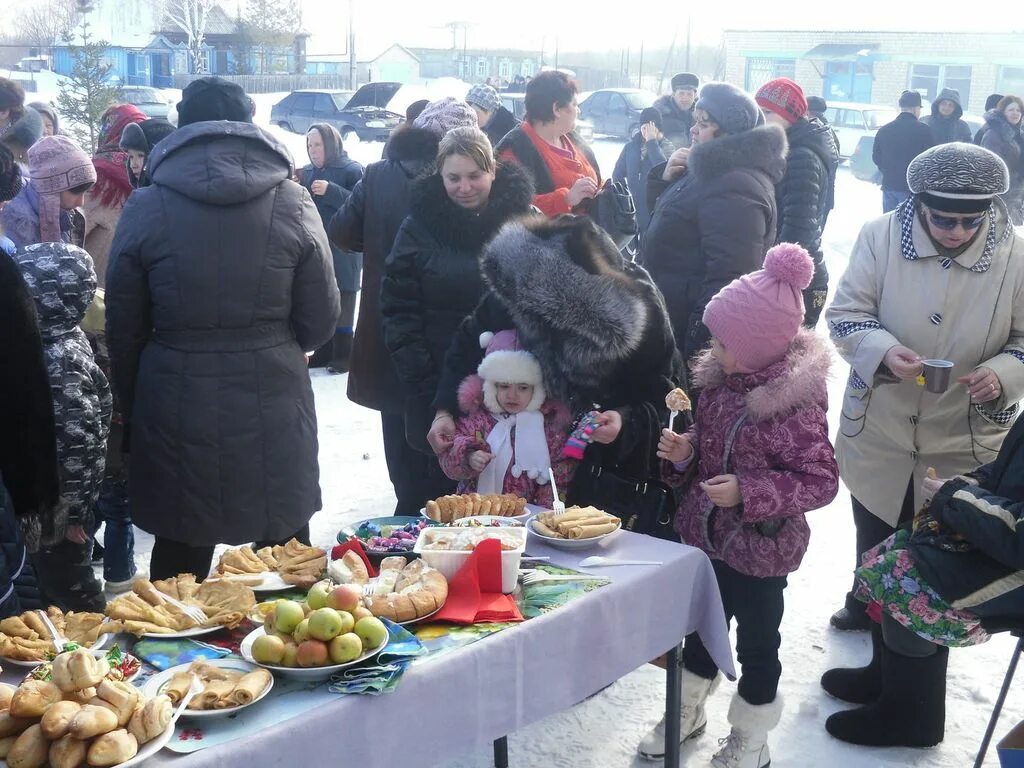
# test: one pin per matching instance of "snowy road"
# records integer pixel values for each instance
(603, 731)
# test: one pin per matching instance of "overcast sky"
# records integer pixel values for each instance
(612, 24)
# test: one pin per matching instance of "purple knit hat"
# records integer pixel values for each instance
(56, 164)
(757, 316)
(442, 115)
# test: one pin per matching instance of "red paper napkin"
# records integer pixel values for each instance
(354, 545)
(474, 593)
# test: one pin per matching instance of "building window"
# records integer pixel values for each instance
(504, 68)
(526, 69)
(929, 79)
(481, 67)
(1011, 80)
(760, 71)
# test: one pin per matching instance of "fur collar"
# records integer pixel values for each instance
(574, 306)
(797, 381)
(410, 143)
(761, 149)
(511, 195)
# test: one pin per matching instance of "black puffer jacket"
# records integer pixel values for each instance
(1007, 141)
(897, 143)
(368, 222)
(713, 224)
(634, 165)
(985, 579)
(675, 122)
(807, 192)
(596, 324)
(220, 278)
(341, 176)
(432, 281)
(501, 122)
(947, 129)
(19, 590)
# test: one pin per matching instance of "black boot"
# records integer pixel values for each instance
(341, 352)
(852, 617)
(860, 685)
(911, 712)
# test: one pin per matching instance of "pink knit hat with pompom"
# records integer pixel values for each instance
(757, 316)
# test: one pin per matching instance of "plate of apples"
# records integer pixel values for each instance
(314, 645)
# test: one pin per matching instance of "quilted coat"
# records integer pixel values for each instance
(768, 428)
(220, 277)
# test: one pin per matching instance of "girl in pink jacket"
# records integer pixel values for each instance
(512, 433)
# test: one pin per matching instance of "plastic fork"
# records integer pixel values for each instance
(196, 614)
(598, 561)
(59, 641)
(556, 505)
(536, 577)
(194, 689)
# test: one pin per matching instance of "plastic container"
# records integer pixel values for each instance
(1011, 748)
(448, 561)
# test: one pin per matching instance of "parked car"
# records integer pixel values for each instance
(300, 109)
(516, 104)
(616, 111)
(148, 100)
(864, 168)
(852, 120)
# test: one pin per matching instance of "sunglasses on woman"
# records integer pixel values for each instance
(950, 222)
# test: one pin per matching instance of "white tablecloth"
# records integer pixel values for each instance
(468, 698)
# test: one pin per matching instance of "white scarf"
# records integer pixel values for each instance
(529, 455)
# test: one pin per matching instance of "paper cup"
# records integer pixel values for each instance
(937, 375)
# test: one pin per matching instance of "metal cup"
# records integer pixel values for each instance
(937, 375)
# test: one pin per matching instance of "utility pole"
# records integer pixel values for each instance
(556, 51)
(689, 19)
(668, 59)
(627, 67)
(640, 74)
(351, 45)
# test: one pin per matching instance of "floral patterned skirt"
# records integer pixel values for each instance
(888, 577)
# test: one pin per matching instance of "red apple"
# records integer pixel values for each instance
(312, 653)
(345, 598)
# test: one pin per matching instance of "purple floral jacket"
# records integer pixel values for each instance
(471, 435)
(769, 429)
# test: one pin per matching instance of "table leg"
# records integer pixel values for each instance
(501, 752)
(673, 705)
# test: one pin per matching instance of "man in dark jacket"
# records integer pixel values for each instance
(494, 119)
(644, 151)
(677, 108)
(807, 192)
(816, 107)
(220, 278)
(945, 119)
(896, 144)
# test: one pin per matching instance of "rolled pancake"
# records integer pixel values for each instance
(249, 687)
(178, 687)
(591, 531)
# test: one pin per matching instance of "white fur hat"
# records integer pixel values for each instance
(505, 362)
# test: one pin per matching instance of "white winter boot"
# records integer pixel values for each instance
(693, 721)
(746, 746)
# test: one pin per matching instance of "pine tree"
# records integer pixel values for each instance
(86, 94)
(272, 25)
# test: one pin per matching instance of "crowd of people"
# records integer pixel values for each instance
(164, 298)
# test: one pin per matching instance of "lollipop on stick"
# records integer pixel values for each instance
(677, 401)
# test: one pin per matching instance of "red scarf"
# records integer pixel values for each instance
(112, 183)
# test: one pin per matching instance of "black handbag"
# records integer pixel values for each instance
(613, 210)
(644, 506)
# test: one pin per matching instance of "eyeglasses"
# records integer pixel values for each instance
(950, 223)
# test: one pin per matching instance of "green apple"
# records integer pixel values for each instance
(345, 598)
(317, 597)
(268, 649)
(371, 631)
(348, 622)
(325, 624)
(345, 648)
(287, 614)
(270, 622)
(306, 610)
(312, 653)
(291, 653)
(361, 612)
(301, 632)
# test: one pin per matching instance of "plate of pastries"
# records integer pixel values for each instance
(25, 641)
(145, 613)
(447, 509)
(80, 718)
(229, 685)
(272, 568)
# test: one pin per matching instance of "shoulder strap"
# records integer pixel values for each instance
(729, 440)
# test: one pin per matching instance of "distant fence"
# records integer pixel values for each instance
(274, 83)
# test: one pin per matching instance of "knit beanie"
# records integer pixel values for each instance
(10, 175)
(213, 98)
(685, 80)
(485, 97)
(730, 107)
(56, 164)
(816, 104)
(651, 115)
(442, 115)
(506, 362)
(46, 110)
(909, 99)
(993, 101)
(12, 95)
(783, 97)
(26, 131)
(142, 137)
(757, 316)
(958, 177)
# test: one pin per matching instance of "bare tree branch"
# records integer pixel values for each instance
(191, 17)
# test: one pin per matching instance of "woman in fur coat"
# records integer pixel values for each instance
(432, 277)
(763, 459)
(1004, 137)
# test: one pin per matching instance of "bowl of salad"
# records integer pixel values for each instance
(386, 536)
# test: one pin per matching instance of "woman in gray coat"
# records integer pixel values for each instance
(220, 278)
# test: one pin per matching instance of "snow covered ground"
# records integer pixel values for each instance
(603, 731)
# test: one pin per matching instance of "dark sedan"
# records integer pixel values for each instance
(148, 100)
(300, 109)
(616, 111)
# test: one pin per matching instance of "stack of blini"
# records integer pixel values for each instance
(575, 523)
(80, 718)
(222, 688)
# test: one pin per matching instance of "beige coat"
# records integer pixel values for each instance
(100, 225)
(889, 429)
